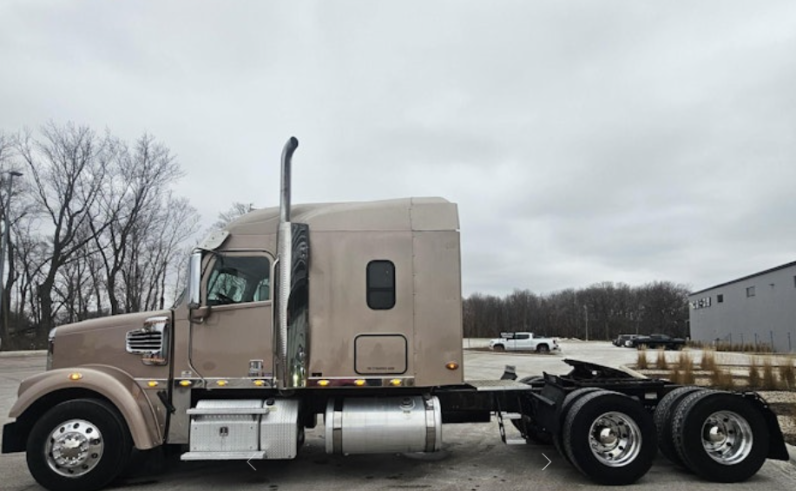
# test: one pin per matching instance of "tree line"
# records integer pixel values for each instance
(94, 228)
(601, 311)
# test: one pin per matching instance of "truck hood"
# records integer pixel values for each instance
(122, 320)
(99, 341)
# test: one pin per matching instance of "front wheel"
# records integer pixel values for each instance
(610, 438)
(78, 445)
(543, 349)
(499, 347)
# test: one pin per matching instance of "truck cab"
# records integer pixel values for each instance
(291, 312)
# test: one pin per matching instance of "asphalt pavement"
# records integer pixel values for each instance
(473, 456)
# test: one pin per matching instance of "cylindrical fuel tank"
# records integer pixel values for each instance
(357, 425)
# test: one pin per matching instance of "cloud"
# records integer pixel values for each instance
(583, 141)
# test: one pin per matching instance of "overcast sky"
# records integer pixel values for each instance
(583, 141)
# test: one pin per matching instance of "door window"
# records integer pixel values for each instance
(239, 279)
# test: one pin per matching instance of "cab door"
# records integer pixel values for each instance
(522, 341)
(234, 340)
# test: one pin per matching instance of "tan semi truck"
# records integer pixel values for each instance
(349, 313)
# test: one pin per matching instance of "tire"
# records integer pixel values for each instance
(569, 400)
(610, 438)
(499, 347)
(720, 436)
(97, 461)
(543, 348)
(527, 426)
(663, 421)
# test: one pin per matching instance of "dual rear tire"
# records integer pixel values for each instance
(607, 436)
(719, 436)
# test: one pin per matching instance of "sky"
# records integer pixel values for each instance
(584, 141)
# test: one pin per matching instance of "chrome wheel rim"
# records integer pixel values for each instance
(727, 437)
(74, 448)
(615, 439)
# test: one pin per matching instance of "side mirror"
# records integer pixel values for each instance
(194, 280)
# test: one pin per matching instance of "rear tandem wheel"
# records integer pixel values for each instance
(664, 413)
(720, 436)
(609, 437)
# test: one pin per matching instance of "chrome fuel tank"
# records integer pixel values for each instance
(383, 425)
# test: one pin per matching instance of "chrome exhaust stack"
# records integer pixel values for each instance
(291, 309)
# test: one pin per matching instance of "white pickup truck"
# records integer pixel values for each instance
(523, 341)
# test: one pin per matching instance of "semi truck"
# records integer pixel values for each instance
(347, 315)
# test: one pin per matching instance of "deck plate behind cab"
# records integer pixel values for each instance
(497, 385)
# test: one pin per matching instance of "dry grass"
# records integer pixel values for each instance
(708, 361)
(722, 379)
(684, 370)
(641, 359)
(769, 381)
(660, 361)
(787, 375)
(677, 376)
(754, 373)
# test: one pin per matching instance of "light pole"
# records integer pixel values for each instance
(4, 247)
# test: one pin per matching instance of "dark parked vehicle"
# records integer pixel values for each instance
(658, 341)
(624, 340)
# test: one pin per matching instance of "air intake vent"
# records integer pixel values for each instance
(144, 342)
(151, 341)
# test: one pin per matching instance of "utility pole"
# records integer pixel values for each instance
(4, 248)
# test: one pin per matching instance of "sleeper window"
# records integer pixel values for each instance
(380, 280)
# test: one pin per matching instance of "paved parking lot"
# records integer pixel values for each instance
(473, 459)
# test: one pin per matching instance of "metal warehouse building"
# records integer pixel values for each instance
(759, 308)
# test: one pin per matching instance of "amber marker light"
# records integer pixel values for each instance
(259, 383)
(451, 365)
(221, 383)
(395, 382)
(152, 383)
(323, 383)
(74, 376)
(359, 382)
(186, 383)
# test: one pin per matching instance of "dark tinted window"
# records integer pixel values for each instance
(523, 336)
(381, 285)
(720, 298)
(239, 279)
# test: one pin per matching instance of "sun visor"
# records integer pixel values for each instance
(214, 240)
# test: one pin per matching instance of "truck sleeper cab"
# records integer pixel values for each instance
(349, 312)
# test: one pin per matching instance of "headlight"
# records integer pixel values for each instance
(50, 347)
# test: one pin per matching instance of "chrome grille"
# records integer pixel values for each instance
(151, 341)
(142, 342)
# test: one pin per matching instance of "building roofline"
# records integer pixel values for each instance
(761, 273)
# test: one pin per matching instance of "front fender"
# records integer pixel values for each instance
(111, 383)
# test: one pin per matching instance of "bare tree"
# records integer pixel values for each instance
(611, 309)
(128, 205)
(68, 165)
(234, 212)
